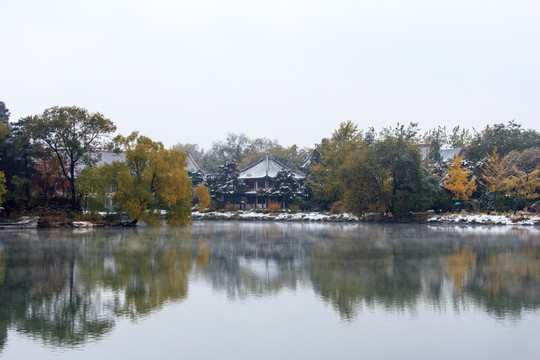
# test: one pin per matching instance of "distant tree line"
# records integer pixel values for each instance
(49, 162)
(497, 169)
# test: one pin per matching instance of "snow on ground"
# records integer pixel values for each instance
(518, 219)
(462, 218)
(252, 215)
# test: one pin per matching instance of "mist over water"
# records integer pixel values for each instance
(271, 290)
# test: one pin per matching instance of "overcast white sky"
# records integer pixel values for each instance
(193, 71)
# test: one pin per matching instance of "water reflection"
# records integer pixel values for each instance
(66, 288)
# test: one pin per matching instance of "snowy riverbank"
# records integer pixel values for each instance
(449, 218)
(485, 219)
(258, 216)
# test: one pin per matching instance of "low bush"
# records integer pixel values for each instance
(337, 208)
(274, 206)
(294, 208)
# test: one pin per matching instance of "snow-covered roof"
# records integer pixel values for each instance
(110, 156)
(447, 155)
(192, 165)
(107, 157)
(307, 162)
(266, 167)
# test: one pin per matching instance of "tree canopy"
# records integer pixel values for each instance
(386, 176)
(4, 131)
(2, 187)
(327, 185)
(153, 179)
(505, 137)
(285, 188)
(202, 193)
(4, 113)
(224, 184)
(368, 186)
(459, 180)
(74, 135)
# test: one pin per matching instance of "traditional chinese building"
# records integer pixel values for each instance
(192, 165)
(107, 157)
(258, 178)
(446, 155)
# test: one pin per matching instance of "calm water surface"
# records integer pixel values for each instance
(271, 291)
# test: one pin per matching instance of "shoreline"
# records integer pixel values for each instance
(520, 219)
(525, 219)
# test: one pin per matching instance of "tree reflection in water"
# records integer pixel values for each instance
(67, 287)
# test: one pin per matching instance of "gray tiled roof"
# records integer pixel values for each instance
(266, 167)
(110, 156)
(192, 165)
(106, 157)
(447, 155)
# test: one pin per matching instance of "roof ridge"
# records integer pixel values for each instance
(264, 164)
(193, 162)
(255, 163)
(288, 167)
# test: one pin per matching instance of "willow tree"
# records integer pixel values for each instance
(153, 179)
(74, 135)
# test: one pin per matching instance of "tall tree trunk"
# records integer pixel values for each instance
(74, 202)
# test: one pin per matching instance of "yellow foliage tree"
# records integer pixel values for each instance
(526, 185)
(153, 179)
(494, 172)
(203, 194)
(523, 175)
(457, 180)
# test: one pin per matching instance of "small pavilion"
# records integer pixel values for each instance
(258, 177)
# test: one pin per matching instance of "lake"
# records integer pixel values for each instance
(260, 290)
